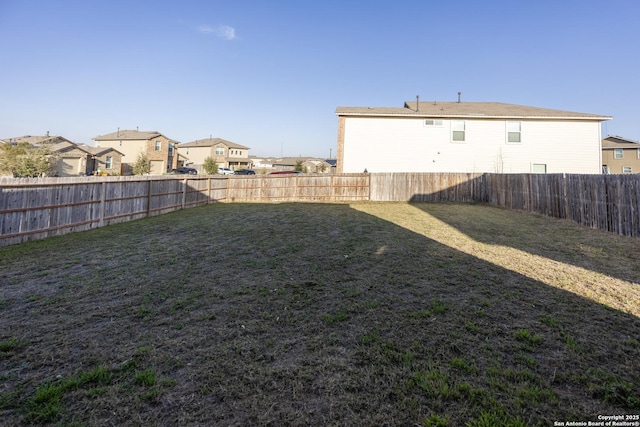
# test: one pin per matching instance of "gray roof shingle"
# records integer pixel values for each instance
(467, 110)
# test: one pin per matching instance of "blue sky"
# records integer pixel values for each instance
(270, 74)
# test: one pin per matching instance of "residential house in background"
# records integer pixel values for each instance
(620, 155)
(306, 164)
(161, 151)
(73, 159)
(474, 137)
(102, 159)
(227, 154)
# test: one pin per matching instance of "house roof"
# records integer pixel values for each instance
(612, 142)
(210, 142)
(38, 139)
(96, 151)
(124, 135)
(492, 110)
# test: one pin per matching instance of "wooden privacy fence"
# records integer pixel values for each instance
(37, 208)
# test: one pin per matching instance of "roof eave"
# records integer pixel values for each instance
(471, 116)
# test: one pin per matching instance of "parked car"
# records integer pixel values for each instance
(225, 171)
(244, 172)
(285, 173)
(190, 171)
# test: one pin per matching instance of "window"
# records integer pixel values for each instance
(220, 151)
(108, 162)
(617, 153)
(457, 130)
(171, 149)
(433, 122)
(638, 152)
(513, 132)
(626, 169)
(538, 168)
(158, 145)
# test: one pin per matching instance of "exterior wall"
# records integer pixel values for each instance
(129, 148)
(101, 163)
(196, 154)
(408, 145)
(71, 163)
(161, 160)
(132, 148)
(630, 158)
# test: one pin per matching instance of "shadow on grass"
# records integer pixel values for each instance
(302, 314)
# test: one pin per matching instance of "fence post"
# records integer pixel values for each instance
(565, 195)
(148, 197)
(184, 193)
(209, 190)
(103, 197)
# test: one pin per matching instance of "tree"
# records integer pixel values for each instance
(142, 165)
(299, 166)
(210, 166)
(25, 160)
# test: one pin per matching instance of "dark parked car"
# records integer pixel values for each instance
(285, 173)
(244, 172)
(189, 171)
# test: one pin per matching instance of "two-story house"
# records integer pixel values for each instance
(225, 153)
(620, 155)
(473, 137)
(161, 151)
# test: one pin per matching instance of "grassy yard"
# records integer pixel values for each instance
(322, 314)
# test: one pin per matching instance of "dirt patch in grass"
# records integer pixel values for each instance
(321, 314)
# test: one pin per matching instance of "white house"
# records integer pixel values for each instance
(474, 137)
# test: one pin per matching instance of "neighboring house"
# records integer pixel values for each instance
(102, 159)
(227, 154)
(161, 151)
(620, 155)
(307, 164)
(72, 159)
(476, 137)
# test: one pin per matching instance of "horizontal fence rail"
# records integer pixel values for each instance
(37, 208)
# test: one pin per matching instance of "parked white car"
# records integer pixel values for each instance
(225, 171)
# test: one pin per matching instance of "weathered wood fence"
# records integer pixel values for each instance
(37, 208)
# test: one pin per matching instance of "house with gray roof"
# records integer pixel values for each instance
(226, 154)
(473, 137)
(620, 155)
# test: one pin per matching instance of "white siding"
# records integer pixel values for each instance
(408, 145)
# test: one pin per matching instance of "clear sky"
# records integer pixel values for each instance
(269, 74)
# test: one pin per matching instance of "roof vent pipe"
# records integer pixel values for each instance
(417, 102)
(459, 93)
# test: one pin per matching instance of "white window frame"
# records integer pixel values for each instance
(108, 162)
(538, 168)
(638, 150)
(456, 131)
(158, 146)
(434, 123)
(512, 133)
(617, 151)
(219, 151)
(627, 170)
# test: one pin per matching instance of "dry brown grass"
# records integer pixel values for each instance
(322, 314)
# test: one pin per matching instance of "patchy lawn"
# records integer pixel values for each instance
(322, 314)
